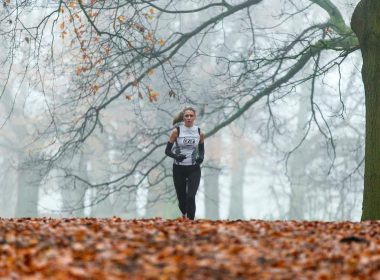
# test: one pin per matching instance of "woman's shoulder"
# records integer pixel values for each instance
(197, 129)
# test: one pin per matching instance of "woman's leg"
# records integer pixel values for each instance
(179, 179)
(194, 178)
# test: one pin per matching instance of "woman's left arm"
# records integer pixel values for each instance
(201, 137)
(201, 148)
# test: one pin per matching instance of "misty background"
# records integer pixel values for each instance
(295, 154)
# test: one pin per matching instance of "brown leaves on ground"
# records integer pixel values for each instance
(181, 249)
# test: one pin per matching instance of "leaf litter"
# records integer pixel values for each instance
(114, 248)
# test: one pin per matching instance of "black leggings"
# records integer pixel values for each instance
(186, 181)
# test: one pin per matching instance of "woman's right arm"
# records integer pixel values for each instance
(169, 146)
(173, 136)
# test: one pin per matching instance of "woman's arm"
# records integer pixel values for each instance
(201, 148)
(169, 146)
(173, 136)
(201, 137)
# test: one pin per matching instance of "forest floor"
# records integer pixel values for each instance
(114, 248)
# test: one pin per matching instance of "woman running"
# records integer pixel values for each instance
(188, 154)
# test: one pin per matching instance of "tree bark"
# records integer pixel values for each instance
(211, 177)
(8, 194)
(27, 190)
(365, 23)
(298, 161)
(103, 206)
(236, 210)
(73, 195)
(211, 189)
(125, 201)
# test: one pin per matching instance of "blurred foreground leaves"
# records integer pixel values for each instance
(114, 248)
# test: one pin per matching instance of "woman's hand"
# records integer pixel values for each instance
(180, 157)
(199, 160)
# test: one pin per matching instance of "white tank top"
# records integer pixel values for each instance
(187, 144)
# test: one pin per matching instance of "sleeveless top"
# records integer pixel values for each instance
(187, 144)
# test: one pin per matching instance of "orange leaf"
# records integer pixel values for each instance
(72, 5)
(78, 70)
(121, 19)
(94, 88)
(153, 96)
(150, 72)
(63, 34)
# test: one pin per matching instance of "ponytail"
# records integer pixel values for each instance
(178, 118)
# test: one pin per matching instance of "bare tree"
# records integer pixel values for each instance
(148, 56)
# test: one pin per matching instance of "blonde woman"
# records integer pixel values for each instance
(188, 154)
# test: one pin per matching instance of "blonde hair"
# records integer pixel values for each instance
(179, 117)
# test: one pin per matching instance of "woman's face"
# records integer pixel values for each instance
(188, 118)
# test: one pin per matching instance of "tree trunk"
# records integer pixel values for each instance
(73, 194)
(8, 192)
(102, 207)
(211, 187)
(29, 180)
(366, 24)
(125, 201)
(236, 210)
(211, 176)
(297, 200)
(297, 161)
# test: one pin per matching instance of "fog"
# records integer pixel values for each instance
(85, 116)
